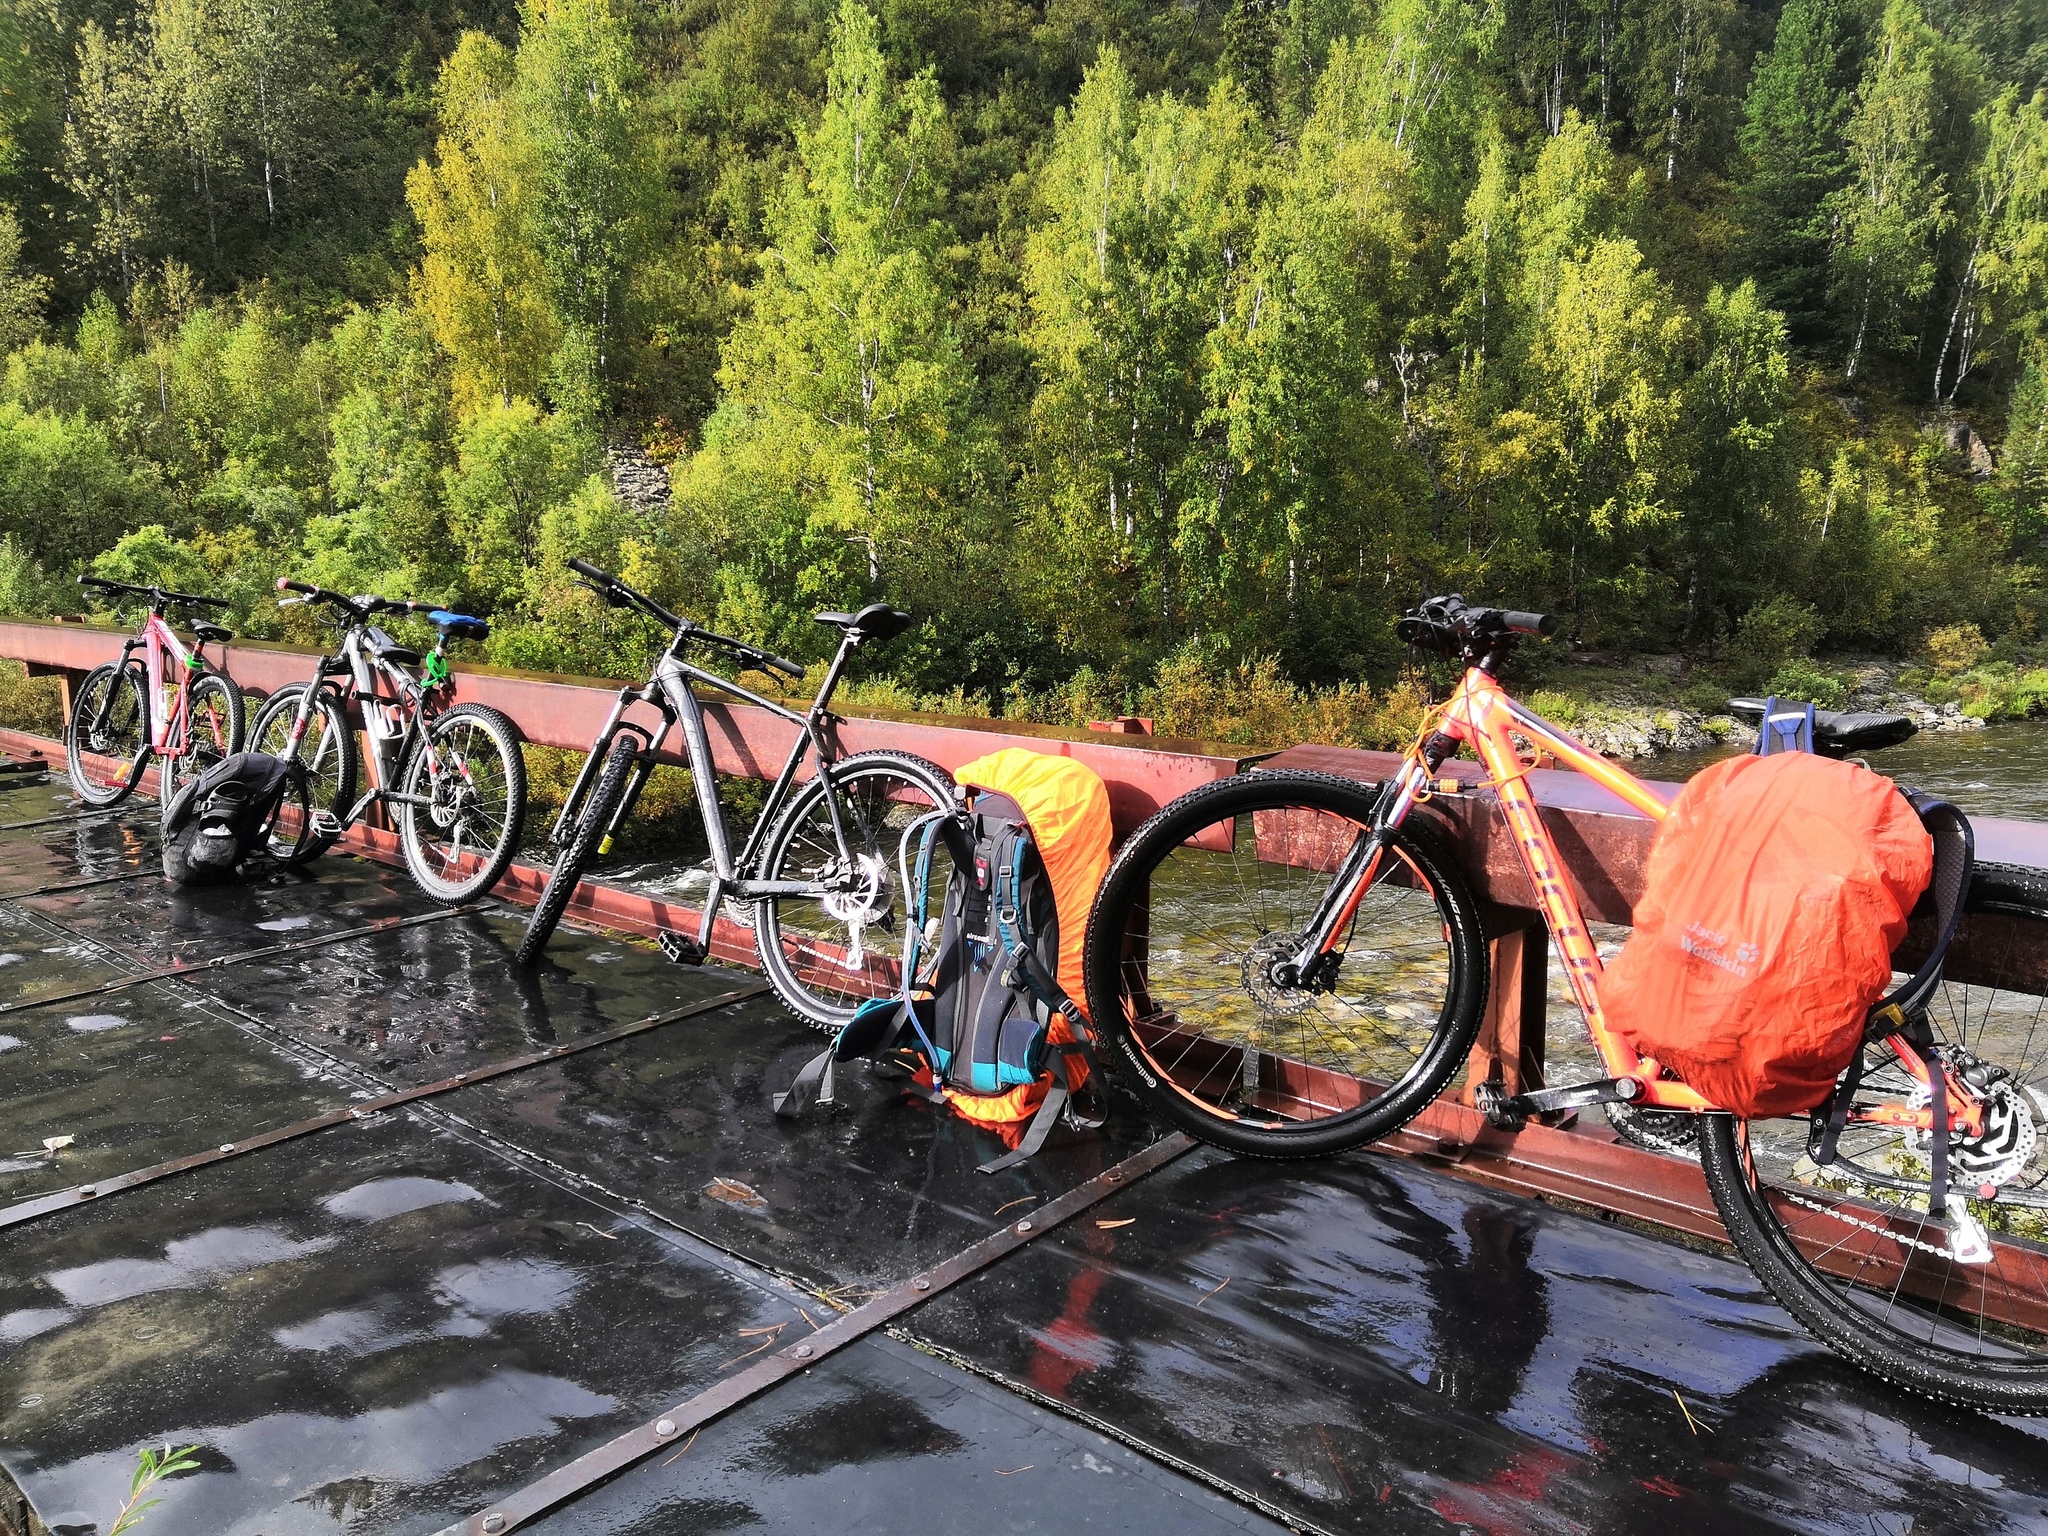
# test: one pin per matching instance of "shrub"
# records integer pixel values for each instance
(1956, 647)
(1771, 634)
(27, 591)
(1802, 680)
(29, 703)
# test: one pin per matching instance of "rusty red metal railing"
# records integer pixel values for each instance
(1604, 842)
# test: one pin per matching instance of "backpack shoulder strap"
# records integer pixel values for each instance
(1029, 972)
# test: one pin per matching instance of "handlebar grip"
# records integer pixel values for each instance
(1531, 623)
(286, 584)
(585, 568)
(103, 584)
(784, 665)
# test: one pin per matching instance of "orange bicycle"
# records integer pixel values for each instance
(1289, 964)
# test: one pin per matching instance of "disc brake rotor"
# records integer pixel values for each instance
(1256, 970)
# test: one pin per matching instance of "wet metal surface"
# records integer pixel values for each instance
(385, 1326)
(788, 1360)
(1374, 1347)
(884, 1439)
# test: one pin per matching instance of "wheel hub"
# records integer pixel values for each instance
(862, 897)
(1270, 977)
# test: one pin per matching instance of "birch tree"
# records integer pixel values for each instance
(2006, 219)
(107, 144)
(841, 459)
(481, 283)
(1896, 206)
(282, 54)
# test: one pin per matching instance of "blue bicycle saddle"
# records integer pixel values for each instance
(458, 626)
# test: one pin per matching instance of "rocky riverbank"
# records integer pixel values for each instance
(1645, 706)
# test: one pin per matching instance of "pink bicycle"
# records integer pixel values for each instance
(169, 704)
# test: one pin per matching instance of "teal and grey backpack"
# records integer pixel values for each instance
(982, 1023)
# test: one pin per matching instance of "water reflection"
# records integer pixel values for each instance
(1997, 771)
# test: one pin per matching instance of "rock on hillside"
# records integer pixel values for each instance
(636, 479)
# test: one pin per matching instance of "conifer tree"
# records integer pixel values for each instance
(1794, 157)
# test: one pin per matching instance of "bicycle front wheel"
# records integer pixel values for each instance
(107, 733)
(827, 954)
(215, 727)
(598, 809)
(1851, 1250)
(326, 753)
(465, 801)
(1189, 958)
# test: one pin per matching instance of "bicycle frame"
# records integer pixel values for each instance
(1481, 715)
(390, 743)
(671, 691)
(168, 668)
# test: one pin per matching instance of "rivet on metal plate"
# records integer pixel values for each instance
(802, 1351)
(1023, 1227)
(227, 1146)
(920, 1284)
(494, 1522)
(665, 1427)
(86, 1191)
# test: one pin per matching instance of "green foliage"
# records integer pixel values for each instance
(65, 492)
(1771, 635)
(1155, 358)
(27, 591)
(1956, 647)
(152, 1466)
(1801, 679)
(1794, 157)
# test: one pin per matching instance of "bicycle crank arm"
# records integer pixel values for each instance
(1505, 1112)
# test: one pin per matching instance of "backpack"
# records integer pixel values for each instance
(1778, 887)
(216, 822)
(999, 891)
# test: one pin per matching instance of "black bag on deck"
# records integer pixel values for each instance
(219, 820)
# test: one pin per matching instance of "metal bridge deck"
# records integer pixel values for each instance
(390, 1324)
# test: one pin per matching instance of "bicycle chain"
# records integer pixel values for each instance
(1837, 1213)
(1834, 1212)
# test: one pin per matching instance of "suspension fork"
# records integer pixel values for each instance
(105, 717)
(1361, 863)
(593, 764)
(309, 701)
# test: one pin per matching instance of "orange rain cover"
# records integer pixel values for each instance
(1068, 809)
(1778, 888)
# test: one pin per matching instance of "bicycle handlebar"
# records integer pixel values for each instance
(619, 595)
(359, 607)
(156, 594)
(1448, 625)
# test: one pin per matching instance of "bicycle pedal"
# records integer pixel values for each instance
(1503, 1112)
(326, 824)
(683, 951)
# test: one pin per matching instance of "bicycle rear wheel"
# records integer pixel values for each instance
(1850, 1249)
(1208, 901)
(472, 779)
(828, 954)
(107, 733)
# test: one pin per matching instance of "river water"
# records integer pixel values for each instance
(2001, 770)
